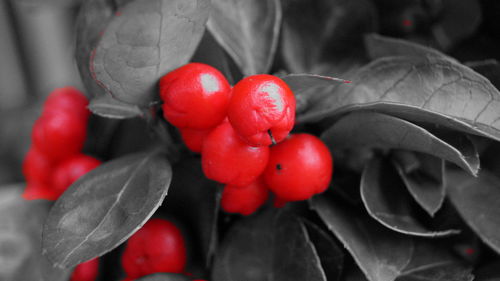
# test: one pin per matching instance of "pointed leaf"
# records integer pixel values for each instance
(319, 31)
(248, 31)
(427, 89)
(476, 200)
(370, 129)
(384, 255)
(305, 86)
(379, 46)
(388, 202)
(426, 182)
(107, 106)
(259, 248)
(105, 207)
(145, 41)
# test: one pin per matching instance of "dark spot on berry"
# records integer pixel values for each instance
(278, 167)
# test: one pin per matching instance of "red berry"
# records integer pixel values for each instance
(299, 167)
(66, 173)
(69, 100)
(37, 167)
(193, 138)
(59, 135)
(37, 190)
(157, 247)
(195, 95)
(226, 158)
(262, 105)
(246, 199)
(86, 271)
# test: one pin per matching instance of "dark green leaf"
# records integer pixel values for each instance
(330, 254)
(146, 40)
(269, 246)
(425, 182)
(388, 202)
(164, 277)
(319, 31)
(107, 106)
(371, 129)
(476, 200)
(426, 89)
(191, 188)
(305, 86)
(248, 31)
(105, 207)
(489, 69)
(384, 255)
(379, 46)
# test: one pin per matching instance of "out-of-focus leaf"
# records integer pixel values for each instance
(388, 202)
(164, 277)
(146, 40)
(248, 31)
(21, 222)
(476, 200)
(105, 207)
(107, 106)
(191, 188)
(305, 86)
(268, 246)
(384, 255)
(330, 254)
(428, 89)
(315, 31)
(425, 182)
(457, 22)
(489, 69)
(371, 129)
(379, 46)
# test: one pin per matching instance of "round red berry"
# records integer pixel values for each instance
(195, 95)
(69, 100)
(36, 190)
(298, 168)
(59, 135)
(262, 105)
(157, 247)
(70, 170)
(246, 199)
(37, 167)
(193, 138)
(226, 158)
(86, 271)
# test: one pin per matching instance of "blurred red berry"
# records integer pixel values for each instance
(70, 170)
(226, 158)
(195, 95)
(193, 138)
(36, 190)
(298, 168)
(68, 100)
(246, 199)
(262, 105)
(37, 167)
(86, 271)
(157, 247)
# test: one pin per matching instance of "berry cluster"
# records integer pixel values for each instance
(243, 136)
(55, 160)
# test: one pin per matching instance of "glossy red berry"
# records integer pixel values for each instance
(37, 167)
(195, 95)
(157, 247)
(70, 170)
(86, 271)
(262, 105)
(59, 135)
(36, 190)
(226, 158)
(298, 168)
(246, 199)
(193, 138)
(69, 100)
